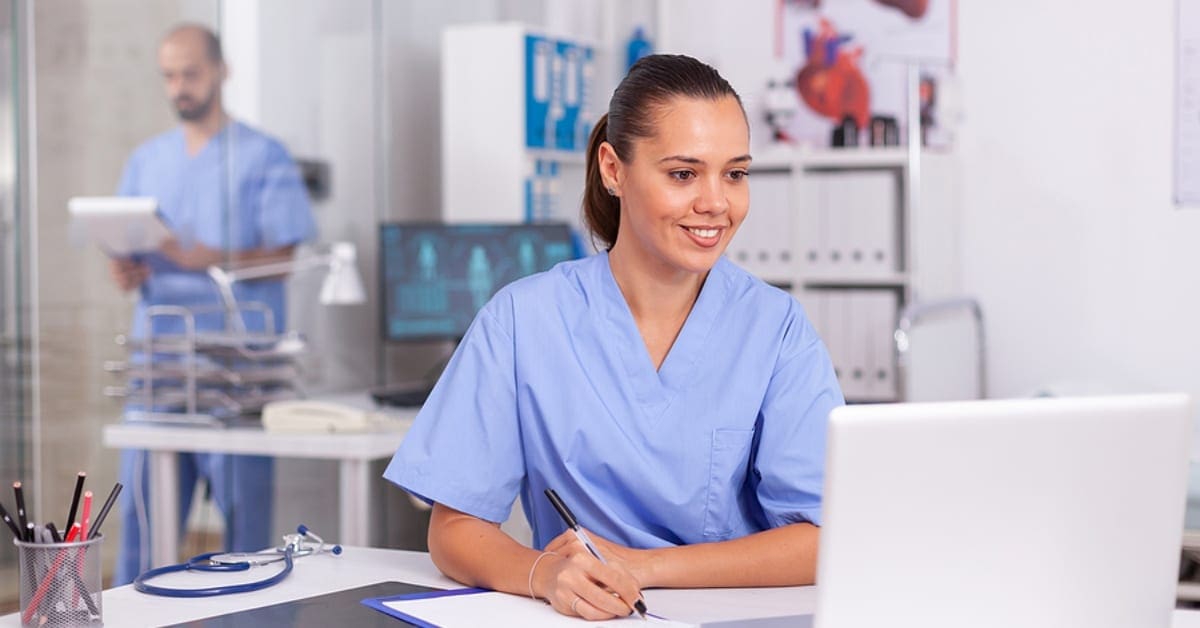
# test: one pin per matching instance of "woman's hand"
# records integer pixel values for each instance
(636, 562)
(579, 585)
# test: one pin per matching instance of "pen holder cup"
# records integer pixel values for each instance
(60, 583)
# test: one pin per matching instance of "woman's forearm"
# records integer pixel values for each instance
(477, 553)
(784, 556)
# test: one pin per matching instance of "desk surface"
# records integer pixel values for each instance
(255, 441)
(361, 566)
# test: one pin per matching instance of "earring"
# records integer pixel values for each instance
(612, 192)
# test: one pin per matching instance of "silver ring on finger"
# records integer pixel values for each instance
(574, 603)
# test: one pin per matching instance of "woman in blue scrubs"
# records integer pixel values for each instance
(677, 403)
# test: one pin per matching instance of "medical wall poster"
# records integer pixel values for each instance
(1187, 104)
(849, 59)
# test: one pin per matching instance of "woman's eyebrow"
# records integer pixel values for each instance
(694, 160)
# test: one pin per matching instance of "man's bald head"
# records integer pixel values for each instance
(197, 35)
(192, 69)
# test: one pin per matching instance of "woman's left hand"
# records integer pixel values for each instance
(635, 561)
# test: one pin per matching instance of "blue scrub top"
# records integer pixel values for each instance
(552, 387)
(241, 191)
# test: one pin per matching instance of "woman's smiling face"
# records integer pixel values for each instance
(684, 191)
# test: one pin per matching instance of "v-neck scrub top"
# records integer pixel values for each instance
(241, 191)
(553, 387)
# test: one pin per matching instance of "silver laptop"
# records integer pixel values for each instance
(1040, 512)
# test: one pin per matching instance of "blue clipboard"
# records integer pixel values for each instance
(377, 603)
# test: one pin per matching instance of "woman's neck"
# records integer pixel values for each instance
(656, 293)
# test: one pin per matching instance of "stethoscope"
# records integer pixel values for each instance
(293, 547)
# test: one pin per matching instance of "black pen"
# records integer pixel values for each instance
(108, 504)
(20, 493)
(75, 500)
(12, 525)
(569, 518)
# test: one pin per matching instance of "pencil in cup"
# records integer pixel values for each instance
(61, 582)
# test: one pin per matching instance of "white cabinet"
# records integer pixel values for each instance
(517, 109)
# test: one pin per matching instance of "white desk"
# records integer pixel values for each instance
(362, 566)
(353, 452)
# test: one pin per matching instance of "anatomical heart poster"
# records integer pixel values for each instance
(847, 64)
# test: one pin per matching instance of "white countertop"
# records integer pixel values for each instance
(359, 566)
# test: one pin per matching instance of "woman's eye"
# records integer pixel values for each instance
(682, 175)
(738, 175)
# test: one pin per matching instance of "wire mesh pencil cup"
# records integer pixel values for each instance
(60, 583)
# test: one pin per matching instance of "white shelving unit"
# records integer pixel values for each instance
(856, 234)
(517, 108)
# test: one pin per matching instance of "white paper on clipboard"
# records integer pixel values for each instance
(119, 225)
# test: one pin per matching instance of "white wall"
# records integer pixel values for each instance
(738, 42)
(1089, 277)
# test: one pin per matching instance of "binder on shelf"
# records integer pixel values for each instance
(815, 309)
(878, 308)
(812, 223)
(873, 223)
(836, 328)
(767, 234)
(855, 386)
(539, 67)
(832, 202)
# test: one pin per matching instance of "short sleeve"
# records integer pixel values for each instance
(790, 461)
(285, 216)
(464, 450)
(128, 185)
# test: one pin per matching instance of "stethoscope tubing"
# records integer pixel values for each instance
(203, 563)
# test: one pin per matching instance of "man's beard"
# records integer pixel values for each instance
(195, 112)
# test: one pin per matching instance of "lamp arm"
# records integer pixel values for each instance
(341, 255)
(276, 268)
(224, 279)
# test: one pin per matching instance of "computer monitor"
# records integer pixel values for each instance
(1028, 512)
(435, 276)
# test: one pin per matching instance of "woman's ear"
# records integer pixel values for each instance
(612, 171)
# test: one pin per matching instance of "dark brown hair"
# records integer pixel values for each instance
(651, 83)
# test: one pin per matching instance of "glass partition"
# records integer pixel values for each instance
(15, 363)
(101, 96)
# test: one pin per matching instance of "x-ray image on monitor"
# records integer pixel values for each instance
(437, 276)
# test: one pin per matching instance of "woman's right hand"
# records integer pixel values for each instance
(581, 586)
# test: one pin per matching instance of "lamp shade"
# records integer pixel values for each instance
(343, 285)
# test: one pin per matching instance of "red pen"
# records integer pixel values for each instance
(86, 517)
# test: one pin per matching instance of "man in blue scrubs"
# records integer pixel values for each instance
(230, 195)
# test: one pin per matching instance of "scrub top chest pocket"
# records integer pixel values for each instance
(728, 464)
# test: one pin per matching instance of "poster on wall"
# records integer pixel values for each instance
(1187, 104)
(847, 63)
